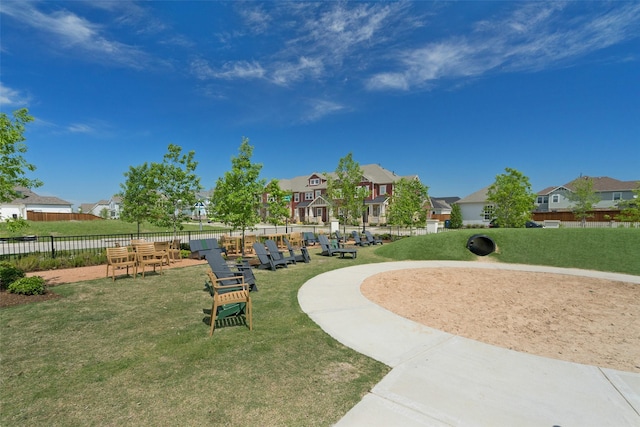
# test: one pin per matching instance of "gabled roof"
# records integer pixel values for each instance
(479, 196)
(31, 198)
(443, 202)
(372, 173)
(605, 183)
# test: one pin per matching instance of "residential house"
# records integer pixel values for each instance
(476, 211)
(309, 202)
(440, 207)
(30, 201)
(474, 208)
(95, 208)
(610, 191)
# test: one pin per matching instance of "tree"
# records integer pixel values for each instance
(176, 185)
(406, 207)
(583, 197)
(345, 192)
(13, 166)
(138, 195)
(630, 209)
(277, 204)
(236, 199)
(512, 199)
(455, 220)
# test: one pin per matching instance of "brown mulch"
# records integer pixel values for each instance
(71, 275)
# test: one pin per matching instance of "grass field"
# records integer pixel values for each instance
(137, 352)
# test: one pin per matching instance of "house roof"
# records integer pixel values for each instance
(443, 202)
(372, 173)
(479, 196)
(31, 198)
(605, 183)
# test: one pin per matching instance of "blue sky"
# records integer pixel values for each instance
(452, 91)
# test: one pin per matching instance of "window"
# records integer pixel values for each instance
(555, 198)
(376, 210)
(543, 200)
(318, 193)
(319, 212)
(296, 197)
(314, 181)
(383, 189)
(488, 212)
(617, 195)
(308, 195)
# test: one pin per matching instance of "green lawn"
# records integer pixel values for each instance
(137, 352)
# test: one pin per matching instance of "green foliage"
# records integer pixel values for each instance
(13, 166)
(406, 207)
(15, 225)
(455, 220)
(583, 197)
(630, 208)
(138, 195)
(345, 192)
(277, 203)
(512, 199)
(236, 199)
(9, 273)
(27, 286)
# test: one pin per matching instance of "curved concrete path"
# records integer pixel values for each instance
(439, 379)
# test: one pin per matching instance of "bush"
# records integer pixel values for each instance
(9, 273)
(27, 286)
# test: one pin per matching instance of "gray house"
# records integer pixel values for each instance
(610, 191)
(30, 201)
(474, 208)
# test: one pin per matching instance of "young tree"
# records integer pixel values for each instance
(138, 195)
(406, 207)
(512, 198)
(13, 166)
(177, 186)
(583, 197)
(456, 216)
(630, 209)
(236, 199)
(277, 204)
(344, 191)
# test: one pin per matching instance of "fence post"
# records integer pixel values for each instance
(53, 247)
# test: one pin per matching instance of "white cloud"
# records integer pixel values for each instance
(12, 97)
(536, 36)
(321, 108)
(80, 128)
(72, 33)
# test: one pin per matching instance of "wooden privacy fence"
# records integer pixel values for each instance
(56, 216)
(597, 216)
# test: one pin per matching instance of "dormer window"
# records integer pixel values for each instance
(314, 181)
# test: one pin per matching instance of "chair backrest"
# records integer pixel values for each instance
(273, 249)
(161, 246)
(118, 255)
(261, 252)
(145, 251)
(356, 237)
(324, 242)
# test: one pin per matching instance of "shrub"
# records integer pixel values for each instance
(27, 286)
(9, 273)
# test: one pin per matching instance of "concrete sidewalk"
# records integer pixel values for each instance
(439, 379)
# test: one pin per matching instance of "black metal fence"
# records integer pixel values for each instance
(53, 246)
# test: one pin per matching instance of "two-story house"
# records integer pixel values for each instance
(610, 191)
(309, 202)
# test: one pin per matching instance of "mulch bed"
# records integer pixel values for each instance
(9, 300)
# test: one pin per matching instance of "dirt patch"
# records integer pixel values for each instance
(577, 319)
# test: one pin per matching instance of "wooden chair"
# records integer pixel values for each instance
(295, 239)
(225, 298)
(162, 251)
(121, 257)
(146, 255)
(174, 250)
(249, 240)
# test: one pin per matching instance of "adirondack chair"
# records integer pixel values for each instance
(200, 247)
(277, 254)
(309, 238)
(229, 300)
(358, 240)
(372, 240)
(266, 261)
(222, 270)
(329, 250)
(340, 237)
(303, 256)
